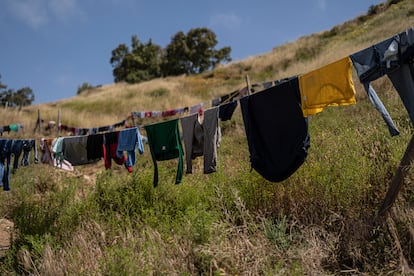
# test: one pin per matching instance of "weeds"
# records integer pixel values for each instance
(232, 222)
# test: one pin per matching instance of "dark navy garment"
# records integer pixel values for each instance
(5, 160)
(226, 110)
(27, 147)
(94, 146)
(16, 150)
(277, 132)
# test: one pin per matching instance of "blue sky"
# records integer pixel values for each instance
(53, 46)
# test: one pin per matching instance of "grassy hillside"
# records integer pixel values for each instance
(317, 222)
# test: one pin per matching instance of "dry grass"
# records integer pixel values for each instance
(316, 223)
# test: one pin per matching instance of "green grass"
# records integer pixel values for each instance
(233, 222)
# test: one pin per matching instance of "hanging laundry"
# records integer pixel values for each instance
(94, 130)
(16, 150)
(13, 148)
(403, 77)
(372, 63)
(226, 98)
(74, 150)
(28, 145)
(94, 146)
(57, 150)
(193, 138)
(129, 140)
(10, 127)
(331, 85)
(15, 127)
(201, 139)
(226, 110)
(165, 144)
(215, 102)
(6, 128)
(277, 131)
(5, 160)
(198, 108)
(167, 113)
(45, 147)
(109, 149)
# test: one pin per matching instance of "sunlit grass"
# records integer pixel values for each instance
(233, 222)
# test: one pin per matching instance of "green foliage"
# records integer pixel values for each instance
(84, 87)
(193, 53)
(277, 232)
(139, 64)
(22, 97)
(318, 221)
(186, 54)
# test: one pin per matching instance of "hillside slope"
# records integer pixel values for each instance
(317, 222)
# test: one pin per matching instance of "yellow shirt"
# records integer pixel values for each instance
(331, 85)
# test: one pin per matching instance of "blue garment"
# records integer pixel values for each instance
(16, 150)
(393, 57)
(371, 64)
(28, 145)
(129, 140)
(57, 149)
(5, 160)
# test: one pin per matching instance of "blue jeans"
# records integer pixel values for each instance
(5, 159)
(27, 148)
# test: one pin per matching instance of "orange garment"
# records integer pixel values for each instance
(331, 85)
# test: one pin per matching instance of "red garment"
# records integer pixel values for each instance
(166, 113)
(109, 150)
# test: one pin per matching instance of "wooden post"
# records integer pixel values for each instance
(37, 127)
(398, 180)
(248, 84)
(133, 120)
(58, 124)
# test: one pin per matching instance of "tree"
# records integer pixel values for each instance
(21, 97)
(194, 53)
(24, 96)
(176, 56)
(2, 86)
(141, 63)
(186, 54)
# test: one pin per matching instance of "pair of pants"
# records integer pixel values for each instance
(110, 144)
(27, 146)
(201, 139)
(5, 160)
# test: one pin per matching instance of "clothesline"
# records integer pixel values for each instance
(198, 108)
(288, 102)
(11, 127)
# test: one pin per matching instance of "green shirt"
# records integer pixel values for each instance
(165, 144)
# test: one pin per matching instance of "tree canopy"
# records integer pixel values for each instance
(22, 97)
(190, 53)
